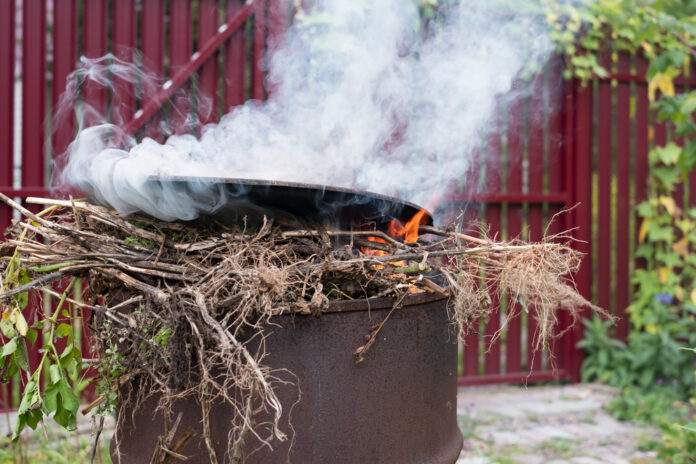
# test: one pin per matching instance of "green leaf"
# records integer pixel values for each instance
(61, 398)
(691, 426)
(645, 209)
(688, 106)
(669, 154)
(20, 358)
(9, 347)
(668, 175)
(28, 413)
(71, 352)
(32, 335)
(657, 233)
(63, 330)
(54, 373)
(7, 328)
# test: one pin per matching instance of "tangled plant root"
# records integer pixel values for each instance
(191, 321)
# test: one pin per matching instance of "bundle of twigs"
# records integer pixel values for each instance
(197, 296)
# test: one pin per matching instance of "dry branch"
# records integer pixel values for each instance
(196, 302)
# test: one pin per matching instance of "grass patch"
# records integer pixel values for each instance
(560, 447)
(57, 449)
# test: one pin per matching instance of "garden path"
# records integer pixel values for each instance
(547, 425)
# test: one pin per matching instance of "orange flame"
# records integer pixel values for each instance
(370, 251)
(409, 231)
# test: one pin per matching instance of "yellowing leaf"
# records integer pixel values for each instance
(643, 230)
(663, 82)
(647, 47)
(13, 316)
(685, 225)
(573, 25)
(679, 293)
(682, 247)
(652, 329)
(688, 106)
(669, 204)
(21, 325)
(663, 274)
(551, 17)
(5, 315)
(693, 296)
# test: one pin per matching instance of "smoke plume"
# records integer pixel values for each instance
(363, 97)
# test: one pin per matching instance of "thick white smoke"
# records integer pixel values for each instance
(363, 98)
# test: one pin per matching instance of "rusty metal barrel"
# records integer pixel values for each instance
(398, 406)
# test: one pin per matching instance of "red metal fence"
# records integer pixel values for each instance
(559, 145)
(573, 145)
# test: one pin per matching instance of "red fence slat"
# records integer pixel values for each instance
(257, 60)
(234, 59)
(604, 228)
(493, 217)
(582, 196)
(207, 97)
(470, 360)
(64, 60)
(33, 93)
(94, 46)
(536, 185)
(152, 45)
(124, 40)
(556, 164)
(7, 85)
(642, 143)
(623, 174)
(515, 133)
(277, 26)
(180, 45)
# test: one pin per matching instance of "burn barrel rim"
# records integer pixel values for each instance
(297, 199)
(368, 304)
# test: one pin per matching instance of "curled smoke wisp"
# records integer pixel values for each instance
(361, 99)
